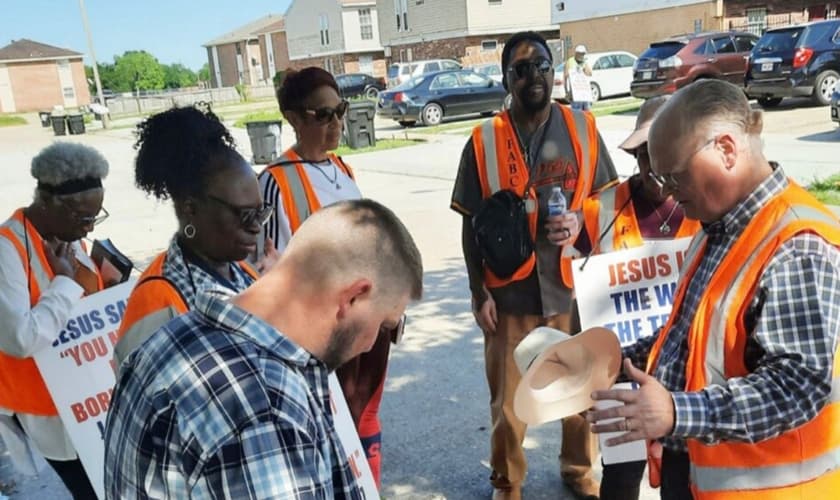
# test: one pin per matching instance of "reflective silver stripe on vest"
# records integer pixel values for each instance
(583, 138)
(37, 270)
(140, 331)
(716, 340)
(296, 187)
(606, 213)
(709, 479)
(488, 140)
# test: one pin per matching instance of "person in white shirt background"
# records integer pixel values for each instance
(575, 65)
(44, 271)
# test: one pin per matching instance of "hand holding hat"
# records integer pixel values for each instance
(648, 413)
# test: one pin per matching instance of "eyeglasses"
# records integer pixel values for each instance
(397, 331)
(85, 220)
(248, 217)
(525, 68)
(326, 114)
(672, 179)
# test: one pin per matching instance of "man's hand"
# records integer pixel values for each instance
(61, 257)
(648, 413)
(563, 229)
(270, 256)
(485, 314)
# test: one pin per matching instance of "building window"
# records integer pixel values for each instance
(489, 45)
(325, 29)
(757, 20)
(366, 24)
(69, 93)
(401, 10)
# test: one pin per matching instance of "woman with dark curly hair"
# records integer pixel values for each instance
(188, 155)
(305, 178)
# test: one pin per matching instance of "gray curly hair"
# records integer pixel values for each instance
(67, 161)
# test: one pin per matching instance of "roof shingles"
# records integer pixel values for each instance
(25, 49)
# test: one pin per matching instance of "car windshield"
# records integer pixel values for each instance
(778, 40)
(662, 50)
(393, 71)
(410, 83)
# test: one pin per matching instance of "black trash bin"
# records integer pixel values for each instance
(359, 124)
(76, 124)
(59, 124)
(45, 118)
(265, 140)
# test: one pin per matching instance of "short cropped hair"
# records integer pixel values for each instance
(714, 104)
(299, 85)
(68, 161)
(516, 39)
(359, 237)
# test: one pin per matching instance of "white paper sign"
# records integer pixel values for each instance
(627, 452)
(629, 291)
(349, 436)
(581, 89)
(78, 372)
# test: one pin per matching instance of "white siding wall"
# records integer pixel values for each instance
(303, 28)
(577, 10)
(431, 20)
(509, 16)
(352, 30)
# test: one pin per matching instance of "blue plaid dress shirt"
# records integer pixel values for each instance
(219, 404)
(790, 352)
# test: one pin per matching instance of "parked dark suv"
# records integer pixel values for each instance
(794, 61)
(675, 62)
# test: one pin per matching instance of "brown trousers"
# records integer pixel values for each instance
(507, 458)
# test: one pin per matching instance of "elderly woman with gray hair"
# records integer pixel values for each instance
(43, 271)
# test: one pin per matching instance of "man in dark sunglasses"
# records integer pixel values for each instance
(530, 150)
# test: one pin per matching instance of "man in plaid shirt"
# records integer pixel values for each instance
(748, 354)
(231, 400)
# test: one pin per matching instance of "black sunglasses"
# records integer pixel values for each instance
(325, 115)
(525, 68)
(247, 216)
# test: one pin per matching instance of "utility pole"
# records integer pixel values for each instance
(106, 120)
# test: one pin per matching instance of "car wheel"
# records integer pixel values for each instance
(769, 102)
(824, 87)
(406, 123)
(432, 114)
(372, 93)
(596, 92)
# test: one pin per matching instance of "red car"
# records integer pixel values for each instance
(673, 63)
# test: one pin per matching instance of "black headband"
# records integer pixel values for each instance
(72, 186)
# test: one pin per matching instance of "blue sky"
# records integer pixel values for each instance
(171, 30)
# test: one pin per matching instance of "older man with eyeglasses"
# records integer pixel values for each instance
(742, 384)
(44, 271)
(522, 156)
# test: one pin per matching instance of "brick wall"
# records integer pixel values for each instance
(36, 85)
(343, 63)
(281, 52)
(80, 83)
(466, 49)
(227, 64)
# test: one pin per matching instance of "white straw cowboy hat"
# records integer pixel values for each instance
(560, 371)
(643, 122)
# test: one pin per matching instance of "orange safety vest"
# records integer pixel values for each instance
(501, 166)
(802, 462)
(22, 388)
(153, 302)
(299, 198)
(600, 209)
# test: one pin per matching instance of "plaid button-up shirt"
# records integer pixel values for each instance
(218, 404)
(790, 351)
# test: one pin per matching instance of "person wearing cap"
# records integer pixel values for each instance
(577, 64)
(528, 150)
(627, 216)
(742, 384)
(44, 271)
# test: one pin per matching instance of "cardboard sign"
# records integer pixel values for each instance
(78, 372)
(346, 430)
(579, 84)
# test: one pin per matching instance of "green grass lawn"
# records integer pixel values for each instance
(827, 190)
(258, 117)
(11, 120)
(381, 145)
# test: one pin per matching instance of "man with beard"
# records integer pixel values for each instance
(231, 400)
(528, 150)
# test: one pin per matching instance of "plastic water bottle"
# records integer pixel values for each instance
(556, 202)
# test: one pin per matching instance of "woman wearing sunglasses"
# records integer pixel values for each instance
(188, 155)
(44, 271)
(305, 178)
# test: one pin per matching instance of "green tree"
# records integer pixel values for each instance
(178, 76)
(204, 73)
(106, 77)
(137, 70)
